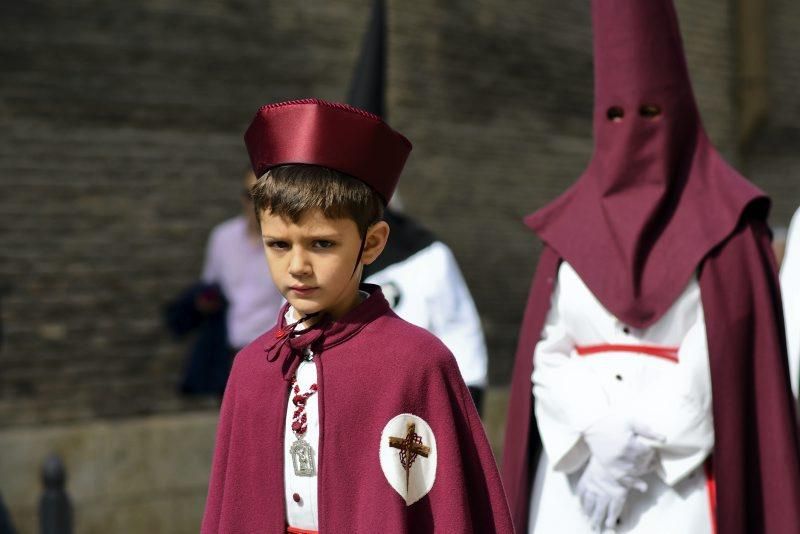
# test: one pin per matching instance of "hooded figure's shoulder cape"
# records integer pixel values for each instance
(756, 452)
(371, 368)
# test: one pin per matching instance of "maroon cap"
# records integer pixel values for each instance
(328, 134)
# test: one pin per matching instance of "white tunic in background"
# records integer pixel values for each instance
(434, 296)
(571, 392)
(790, 291)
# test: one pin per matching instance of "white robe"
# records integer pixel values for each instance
(674, 399)
(790, 291)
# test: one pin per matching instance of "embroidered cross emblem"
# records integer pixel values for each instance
(410, 447)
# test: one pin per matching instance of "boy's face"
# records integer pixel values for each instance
(312, 261)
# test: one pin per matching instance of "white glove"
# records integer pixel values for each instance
(602, 497)
(624, 448)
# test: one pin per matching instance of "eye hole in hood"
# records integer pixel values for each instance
(615, 114)
(650, 111)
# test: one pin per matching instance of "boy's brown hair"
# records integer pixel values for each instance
(292, 190)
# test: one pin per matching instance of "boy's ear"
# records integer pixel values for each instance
(377, 236)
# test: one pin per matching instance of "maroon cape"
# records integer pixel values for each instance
(371, 366)
(756, 458)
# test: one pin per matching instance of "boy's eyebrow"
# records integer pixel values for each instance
(316, 237)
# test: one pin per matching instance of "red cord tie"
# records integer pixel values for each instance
(656, 351)
(299, 418)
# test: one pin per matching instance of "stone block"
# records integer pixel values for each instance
(137, 475)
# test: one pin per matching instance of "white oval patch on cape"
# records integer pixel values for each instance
(408, 456)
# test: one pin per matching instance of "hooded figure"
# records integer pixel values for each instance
(653, 335)
(417, 272)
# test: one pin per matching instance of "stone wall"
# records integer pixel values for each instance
(772, 155)
(120, 148)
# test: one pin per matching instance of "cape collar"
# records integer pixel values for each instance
(286, 349)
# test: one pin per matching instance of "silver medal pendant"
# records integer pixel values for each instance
(303, 458)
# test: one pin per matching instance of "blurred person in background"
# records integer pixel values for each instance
(418, 273)
(234, 302)
(650, 392)
(235, 261)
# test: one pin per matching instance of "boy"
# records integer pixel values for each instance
(343, 417)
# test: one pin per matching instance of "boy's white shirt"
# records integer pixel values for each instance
(304, 513)
(790, 291)
(674, 400)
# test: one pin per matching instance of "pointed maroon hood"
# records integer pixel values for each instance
(656, 196)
